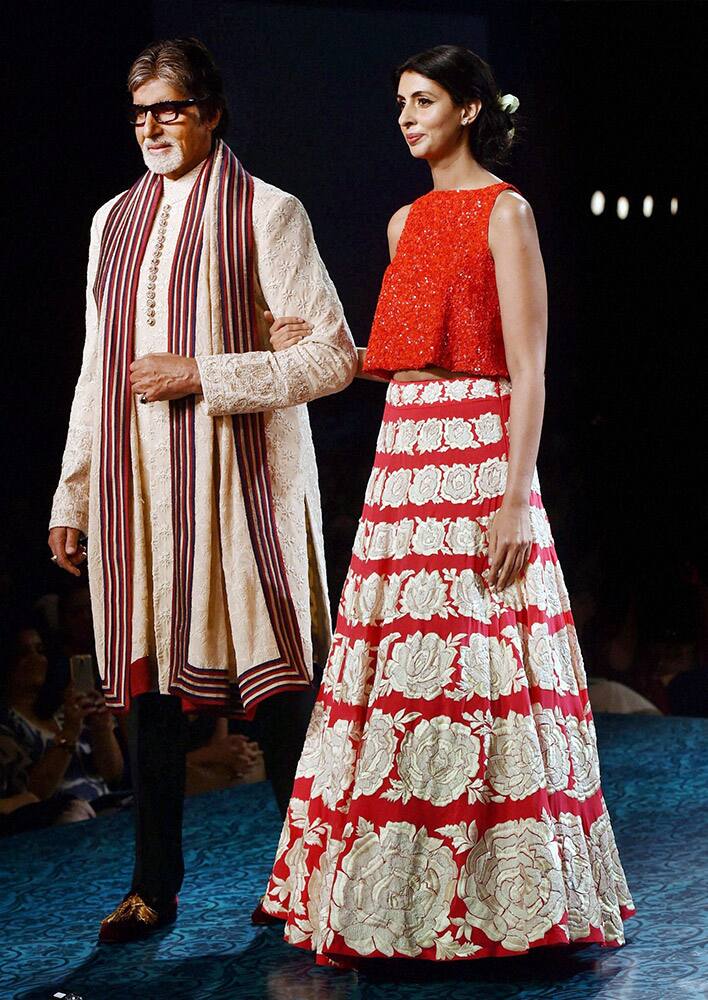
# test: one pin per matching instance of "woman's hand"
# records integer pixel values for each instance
(97, 712)
(286, 331)
(510, 544)
(75, 709)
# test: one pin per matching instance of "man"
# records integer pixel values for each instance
(189, 459)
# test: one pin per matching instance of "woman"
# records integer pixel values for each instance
(72, 751)
(447, 803)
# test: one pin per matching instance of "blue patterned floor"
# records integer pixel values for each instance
(655, 777)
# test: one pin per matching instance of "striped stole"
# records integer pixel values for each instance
(123, 245)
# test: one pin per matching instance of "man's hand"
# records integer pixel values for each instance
(164, 376)
(68, 553)
(286, 331)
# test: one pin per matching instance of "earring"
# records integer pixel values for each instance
(466, 121)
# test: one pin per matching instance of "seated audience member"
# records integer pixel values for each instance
(611, 696)
(217, 759)
(48, 750)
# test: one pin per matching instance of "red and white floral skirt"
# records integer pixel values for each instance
(447, 803)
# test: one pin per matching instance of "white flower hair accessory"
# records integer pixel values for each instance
(509, 102)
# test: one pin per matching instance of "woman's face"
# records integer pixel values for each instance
(430, 122)
(30, 664)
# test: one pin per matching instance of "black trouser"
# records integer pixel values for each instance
(157, 739)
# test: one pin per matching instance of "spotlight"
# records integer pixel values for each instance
(648, 206)
(674, 206)
(622, 207)
(597, 203)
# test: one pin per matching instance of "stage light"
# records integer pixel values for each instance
(597, 203)
(648, 206)
(622, 207)
(674, 206)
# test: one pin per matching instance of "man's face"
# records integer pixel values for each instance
(173, 149)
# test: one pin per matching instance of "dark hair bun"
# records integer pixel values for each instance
(466, 77)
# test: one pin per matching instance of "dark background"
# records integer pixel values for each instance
(612, 98)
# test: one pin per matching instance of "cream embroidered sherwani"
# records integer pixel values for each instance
(228, 625)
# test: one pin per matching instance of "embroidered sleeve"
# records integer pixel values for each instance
(295, 283)
(71, 500)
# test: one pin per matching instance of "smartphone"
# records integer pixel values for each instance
(82, 674)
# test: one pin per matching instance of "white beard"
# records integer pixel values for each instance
(162, 163)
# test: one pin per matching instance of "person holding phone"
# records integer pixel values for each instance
(68, 750)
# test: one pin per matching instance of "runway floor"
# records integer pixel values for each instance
(56, 884)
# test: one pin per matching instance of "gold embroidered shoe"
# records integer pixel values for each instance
(133, 919)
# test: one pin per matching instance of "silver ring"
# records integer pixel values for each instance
(143, 398)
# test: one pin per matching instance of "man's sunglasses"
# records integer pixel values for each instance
(164, 112)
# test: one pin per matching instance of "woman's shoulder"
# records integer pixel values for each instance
(510, 205)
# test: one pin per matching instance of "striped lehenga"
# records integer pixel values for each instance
(447, 803)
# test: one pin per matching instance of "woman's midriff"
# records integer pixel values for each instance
(432, 373)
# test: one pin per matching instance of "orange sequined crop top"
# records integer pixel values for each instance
(438, 304)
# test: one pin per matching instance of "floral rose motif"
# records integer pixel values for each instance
(458, 433)
(424, 596)
(608, 876)
(335, 770)
(432, 392)
(488, 428)
(554, 748)
(468, 594)
(429, 435)
(583, 753)
(540, 528)
(458, 484)
(376, 754)
(394, 582)
(356, 673)
(563, 662)
(393, 891)
(396, 488)
(426, 482)
(319, 886)
(554, 587)
(348, 600)
(489, 667)
(457, 390)
(360, 539)
(464, 536)
(480, 388)
(408, 393)
(310, 756)
(437, 761)
(583, 904)
(386, 437)
(539, 656)
(512, 883)
(370, 598)
(491, 477)
(421, 666)
(429, 538)
(514, 760)
(404, 533)
(406, 433)
(475, 674)
(382, 541)
(374, 487)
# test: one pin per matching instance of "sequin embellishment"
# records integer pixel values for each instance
(438, 304)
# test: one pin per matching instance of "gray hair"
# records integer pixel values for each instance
(186, 63)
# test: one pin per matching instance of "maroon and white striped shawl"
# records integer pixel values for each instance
(223, 183)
